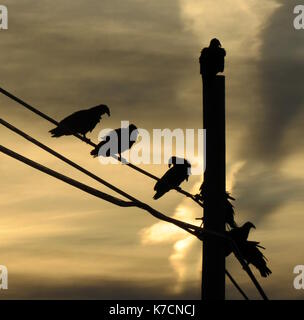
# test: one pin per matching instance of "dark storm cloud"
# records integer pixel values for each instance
(261, 186)
(132, 55)
(281, 70)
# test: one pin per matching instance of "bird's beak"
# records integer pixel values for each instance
(169, 165)
(253, 226)
(108, 113)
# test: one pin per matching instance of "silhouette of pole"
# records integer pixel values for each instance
(213, 269)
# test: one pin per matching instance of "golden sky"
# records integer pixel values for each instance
(141, 58)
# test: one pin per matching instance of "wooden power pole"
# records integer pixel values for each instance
(213, 277)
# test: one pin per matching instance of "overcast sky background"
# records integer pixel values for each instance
(141, 58)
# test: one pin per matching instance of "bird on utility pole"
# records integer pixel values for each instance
(229, 208)
(212, 59)
(249, 250)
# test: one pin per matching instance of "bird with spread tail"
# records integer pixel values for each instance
(80, 122)
(116, 142)
(180, 171)
(249, 250)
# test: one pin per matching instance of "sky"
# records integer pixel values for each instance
(141, 59)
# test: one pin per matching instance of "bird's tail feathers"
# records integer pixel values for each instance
(265, 271)
(56, 132)
(257, 244)
(94, 152)
(157, 195)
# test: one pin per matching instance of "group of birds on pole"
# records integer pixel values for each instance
(121, 139)
(249, 250)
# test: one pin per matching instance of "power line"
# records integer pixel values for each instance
(68, 180)
(64, 159)
(95, 192)
(88, 141)
(236, 285)
(187, 227)
(246, 267)
(136, 203)
(197, 231)
(71, 163)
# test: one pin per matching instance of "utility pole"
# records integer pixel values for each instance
(213, 269)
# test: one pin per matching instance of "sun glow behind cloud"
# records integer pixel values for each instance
(182, 243)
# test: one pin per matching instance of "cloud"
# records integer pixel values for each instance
(140, 58)
(65, 57)
(280, 80)
(269, 141)
(42, 288)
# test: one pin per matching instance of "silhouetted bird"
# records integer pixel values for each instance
(116, 142)
(179, 172)
(80, 122)
(241, 233)
(249, 250)
(212, 59)
(251, 253)
(229, 209)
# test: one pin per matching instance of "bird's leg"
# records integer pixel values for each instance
(203, 220)
(246, 266)
(87, 140)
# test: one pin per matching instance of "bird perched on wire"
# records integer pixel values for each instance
(212, 59)
(180, 171)
(249, 250)
(81, 122)
(229, 209)
(241, 233)
(116, 142)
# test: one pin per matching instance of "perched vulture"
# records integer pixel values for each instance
(81, 122)
(179, 172)
(212, 59)
(229, 209)
(241, 233)
(249, 250)
(116, 142)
